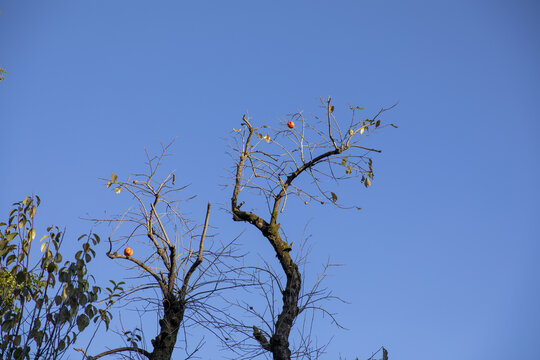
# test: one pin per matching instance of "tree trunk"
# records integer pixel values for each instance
(280, 339)
(165, 341)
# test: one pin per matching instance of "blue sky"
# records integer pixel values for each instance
(442, 262)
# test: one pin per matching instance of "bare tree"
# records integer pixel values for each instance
(271, 162)
(171, 255)
(185, 266)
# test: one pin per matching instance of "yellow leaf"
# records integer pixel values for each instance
(362, 130)
(259, 136)
(32, 234)
(43, 246)
(109, 184)
(117, 190)
(236, 130)
(266, 138)
(114, 177)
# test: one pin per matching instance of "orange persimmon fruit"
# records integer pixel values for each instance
(135, 182)
(290, 124)
(128, 252)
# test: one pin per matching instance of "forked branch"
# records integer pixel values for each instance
(275, 176)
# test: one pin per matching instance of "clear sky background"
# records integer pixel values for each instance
(443, 260)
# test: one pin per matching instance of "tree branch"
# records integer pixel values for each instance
(114, 351)
(142, 265)
(199, 256)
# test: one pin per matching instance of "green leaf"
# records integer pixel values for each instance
(393, 126)
(334, 197)
(106, 318)
(20, 277)
(11, 258)
(344, 161)
(17, 340)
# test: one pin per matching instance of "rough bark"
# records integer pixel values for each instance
(169, 325)
(279, 342)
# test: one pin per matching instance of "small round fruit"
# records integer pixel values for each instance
(290, 124)
(135, 182)
(128, 252)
